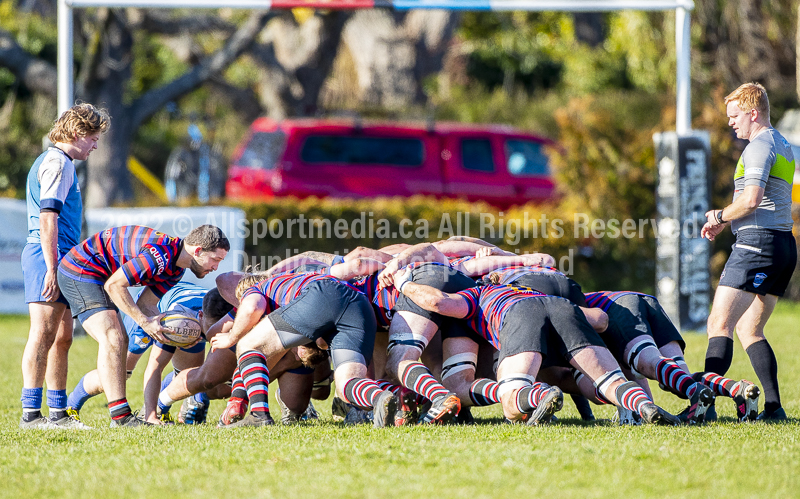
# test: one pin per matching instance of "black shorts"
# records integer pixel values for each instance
(762, 262)
(85, 298)
(444, 278)
(553, 285)
(634, 315)
(333, 311)
(550, 325)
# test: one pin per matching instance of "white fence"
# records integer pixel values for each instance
(173, 221)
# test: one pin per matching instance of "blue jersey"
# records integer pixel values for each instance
(184, 294)
(53, 185)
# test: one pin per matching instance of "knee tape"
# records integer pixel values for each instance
(128, 374)
(458, 363)
(604, 382)
(341, 356)
(636, 351)
(323, 383)
(412, 340)
(513, 382)
(577, 375)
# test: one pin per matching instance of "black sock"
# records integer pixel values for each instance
(29, 416)
(584, 409)
(719, 355)
(766, 367)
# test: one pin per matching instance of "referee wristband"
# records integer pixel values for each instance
(719, 217)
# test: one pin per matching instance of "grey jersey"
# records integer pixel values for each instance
(766, 162)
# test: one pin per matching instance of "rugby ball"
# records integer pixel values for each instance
(184, 327)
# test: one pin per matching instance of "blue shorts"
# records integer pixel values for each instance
(139, 341)
(33, 272)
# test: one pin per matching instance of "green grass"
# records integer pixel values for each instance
(325, 460)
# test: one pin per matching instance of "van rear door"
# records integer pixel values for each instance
(253, 167)
(527, 162)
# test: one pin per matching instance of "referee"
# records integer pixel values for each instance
(764, 255)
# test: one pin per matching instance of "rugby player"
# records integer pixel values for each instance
(524, 325)
(765, 254)
(54, 204)
(641, 336)
(290, 310)
(94, 277)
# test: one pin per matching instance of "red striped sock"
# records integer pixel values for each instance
(237, 387)
(720, 385)
(361, 392)
(669, 373)
(528, 398)
(417, 377)
(119, 409)
(255, 375)
(631, 396)
(483, 392)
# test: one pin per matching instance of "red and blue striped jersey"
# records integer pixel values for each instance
(488, 306)
(511, 274)
(280, 289)
(147, 258)
(603, 299)
(455, 262)
(382, 300)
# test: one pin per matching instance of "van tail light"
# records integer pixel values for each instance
(276, 182)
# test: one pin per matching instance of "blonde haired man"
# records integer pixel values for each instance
(764, 256)
(54, 227)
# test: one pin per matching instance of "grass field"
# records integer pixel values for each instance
(326, 460)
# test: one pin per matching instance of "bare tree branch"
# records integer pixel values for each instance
(37, 75)
(243, 102)
(161, 22)
(149, 103)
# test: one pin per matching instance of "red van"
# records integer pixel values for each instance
(345, 158)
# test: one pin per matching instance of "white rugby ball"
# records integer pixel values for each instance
(184, 327)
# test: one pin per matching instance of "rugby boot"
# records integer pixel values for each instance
(70, 422)
(442, 410)
(287, 416)
(711, 413)
(626, 417)
(193, 411)
(746, 400)
(164, 417)
(384, 409)
(310, 414)
(777, 416)
(583, 406)
(407, 411)
(40, 423)
(700, 401)
(339, 409)
(653, 414)
(551, 402)
(464, 416)
(251, 420)
(235, 410)
(132, 420)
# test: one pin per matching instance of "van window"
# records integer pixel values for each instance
(263, 150)
(476, 155)
(395, 151)
(526, 157)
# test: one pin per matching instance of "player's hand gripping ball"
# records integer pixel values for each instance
(183, 325)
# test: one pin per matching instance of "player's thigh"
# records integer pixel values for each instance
(184, 360)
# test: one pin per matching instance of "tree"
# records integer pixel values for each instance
(104, 78)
